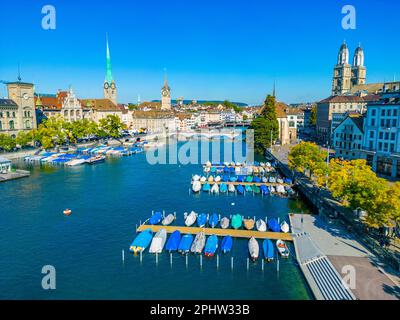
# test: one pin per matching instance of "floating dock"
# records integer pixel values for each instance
(258, 184)
(241, 233)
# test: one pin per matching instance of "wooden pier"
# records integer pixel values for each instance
(220, 232)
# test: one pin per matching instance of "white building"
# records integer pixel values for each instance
(348, 137)
(381, 143)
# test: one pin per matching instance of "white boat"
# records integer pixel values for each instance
(226, 164)
(196, 186)
(168, 219)
(254, 249)
(261, 225)
(264, 179)
(225, 223)
(75, 162)
(210, 179)
(217, 179)
(158, 242)
(232, 164)
(279, 180)
(231, 188)
(207, 169)
(215, 188)
(203, 179)
(282, 248)
(285, 227)
(198, 243)
(238, 164)
(271, 189)
(280, 189)
(190, 218)
(208, 164)
(237, 170)
(262, 164)
(196, 177)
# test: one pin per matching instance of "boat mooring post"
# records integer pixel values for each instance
(201, 260)
(248, 264)
(217, 261)
(141, 257)
(156, 258)
(187, 261)
(278, 219)
(262, 264)
(232, 263)
(277, 266)
(123, 255)
(170, 259)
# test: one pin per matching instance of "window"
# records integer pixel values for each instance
(8, 114)
(392, 147)
(380, 135)
(1, 126)
(27, 124)
(1, 114)
(394, 123)
(383, 112)
(386, 135)
(380, 146)
(11, 124)
(389, 113)
(373, 112)
(382, 122)
(392, 136)
(395, 112)
(372, 122)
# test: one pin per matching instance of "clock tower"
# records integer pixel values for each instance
(110, 89)
(165, 96)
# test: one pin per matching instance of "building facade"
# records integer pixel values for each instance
(18, 111)
(166, 96)
(153, 121)
(348, 137)
(381, 143)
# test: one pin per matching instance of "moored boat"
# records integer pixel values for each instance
(254, 249)
(173, 241)
(190, 218)
(206, 187)
(231, 188)
(213, 220)
(285, 227)
(155, 218)
(223, 188)
(211, 246)
(158, 242)
(202, 220)
(273, 225)
(282, 248)
(142, 241)
(198, 243)
(185, 243)
(248, 224)
(225, 223)
(196, 186)
(237, 221)
(96, 159)
(215, 189)
(168, 219)
(240, 189)
(226, 244)
(261, 225)
(268, 249)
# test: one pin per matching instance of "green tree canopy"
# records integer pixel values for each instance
(7, 142)
(313, 117)
(111, 126)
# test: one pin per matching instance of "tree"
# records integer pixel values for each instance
(313, 116)
(307, 156)
(7, 142)
(231, 105)
(51, 132)
(111, 126)
(266, 126)
(80, 128)
(24, 138)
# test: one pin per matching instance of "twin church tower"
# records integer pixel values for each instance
(346, 76)
(110, 89)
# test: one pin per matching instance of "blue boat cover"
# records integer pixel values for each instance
(226, 244)
(264, 189)
(202, 220)
(155, 218)
(240, 189)
(226, 170)
(213, 221)
(233, 179)
(186, 242)
(256, 179)
(225, 178)
(206, 187)
(248, 188)
(241, 178)
(143, 239)
(223, 187)
(232, 170)
(211, 245)
(173, 241)
(268, 249)
(273, 225)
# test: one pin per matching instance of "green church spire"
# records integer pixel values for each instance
(109, 77)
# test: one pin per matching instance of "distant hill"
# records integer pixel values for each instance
(240, 104)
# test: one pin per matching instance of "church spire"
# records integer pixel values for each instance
(109, 78)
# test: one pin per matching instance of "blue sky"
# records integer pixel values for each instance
(212, 49)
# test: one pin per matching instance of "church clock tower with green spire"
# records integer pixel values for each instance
(110, 89)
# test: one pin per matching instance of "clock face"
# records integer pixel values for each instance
(113, 85)
(25, 96)
(165, 93)
(106, 85)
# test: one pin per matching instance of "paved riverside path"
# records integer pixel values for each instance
(316, 239)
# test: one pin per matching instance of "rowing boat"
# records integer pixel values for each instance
(142, 241)
(226, 244)
(155, 218)
(254, 249)
(268, 249)
(248, 224)
(237, 221)
(213, 220)
(198, 243)
(168, 219)
(158, 242)
(211, 246)
(225, 223)
(190, 218)
(173, 241)
(185, 243)
(261, 225)
(282, 248)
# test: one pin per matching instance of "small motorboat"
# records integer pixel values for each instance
(198, 243)
(264, 179)
(223, 188)
(155, 218)
(168, 219)
(225, 223)
(210, 179)
(249, 179)
(190, 218)
(261, 225)
(76, 162)
(196, 177)
(96, 159)
(215, 189)
(237, 221)
(255, 189)
(142, 241)
(208, 164)
(240, 178)
(273, 225)
(206, 170)
(248, 224)
(264, 190)
(248, 188)
(196, 186)
(67, 212)
(158, 242)
(231, 188)
(226, 244)
(203, 179)
(257, 179)
(185, 243)
(217, 179)
(202, 220)
(213, 220)
(282, 248)
(206, 187)
(271, 189)
(226, 169)
(211, 246)
(268, 249)
(225, 178)
(285, 227)
(240, 189)
(173, 241)
(233, 179)
(254, 249)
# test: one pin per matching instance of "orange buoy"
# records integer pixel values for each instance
(67, 212)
